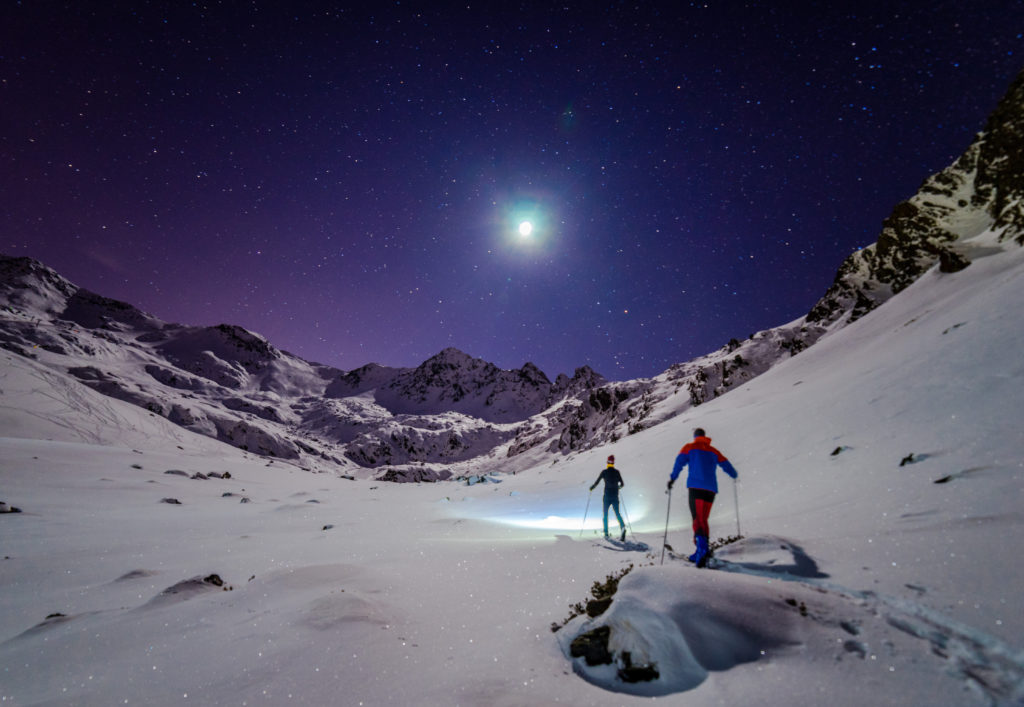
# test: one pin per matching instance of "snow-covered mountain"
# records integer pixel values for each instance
(453, 381)
(983, 189)
(231, 384)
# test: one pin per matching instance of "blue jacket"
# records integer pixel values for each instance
(703, 460)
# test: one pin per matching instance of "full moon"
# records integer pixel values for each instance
(525, 228)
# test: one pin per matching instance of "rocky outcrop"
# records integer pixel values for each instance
(982, 190)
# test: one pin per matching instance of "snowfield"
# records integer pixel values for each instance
(879, 500)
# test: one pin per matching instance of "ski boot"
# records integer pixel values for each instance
(700, 558)
(623, 536)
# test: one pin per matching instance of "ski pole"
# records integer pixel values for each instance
(587, 510)
(668, 511)
(736, 503)
(629, 525)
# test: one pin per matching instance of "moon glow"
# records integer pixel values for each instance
(525, 229)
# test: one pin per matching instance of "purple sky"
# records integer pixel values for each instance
(347, 180)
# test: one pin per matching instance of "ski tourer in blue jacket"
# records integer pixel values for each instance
(703, 461)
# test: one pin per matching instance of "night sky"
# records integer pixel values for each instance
(348, 180)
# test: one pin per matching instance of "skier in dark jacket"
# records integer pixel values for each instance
(703, 460)
(612, 483)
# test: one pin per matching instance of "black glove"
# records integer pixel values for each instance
(670, 482)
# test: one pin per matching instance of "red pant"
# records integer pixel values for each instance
(700, 508)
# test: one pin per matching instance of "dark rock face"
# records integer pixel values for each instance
(28, 284)
(596, 607)
(983, 189)
(636, 673)
(1000, 179)
(94, 311)
(592, 646)
(414, 475)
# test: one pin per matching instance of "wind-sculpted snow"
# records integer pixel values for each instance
(681, 631)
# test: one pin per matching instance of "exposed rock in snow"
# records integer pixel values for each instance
(415, 475)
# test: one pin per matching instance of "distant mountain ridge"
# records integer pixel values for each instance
(454, 413)
(232, 384)
(454, 381)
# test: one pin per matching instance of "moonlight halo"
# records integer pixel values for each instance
(527, 221)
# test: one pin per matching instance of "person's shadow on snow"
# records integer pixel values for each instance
(767, 556)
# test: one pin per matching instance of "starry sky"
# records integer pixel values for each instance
(348, 179)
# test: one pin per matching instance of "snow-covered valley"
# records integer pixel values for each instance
(859, 578)
(189, 514)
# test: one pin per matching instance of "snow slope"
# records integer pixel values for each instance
(859, 580)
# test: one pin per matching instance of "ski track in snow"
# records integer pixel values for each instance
(98, 410)
(979, 658)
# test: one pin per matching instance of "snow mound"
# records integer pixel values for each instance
(666, 637)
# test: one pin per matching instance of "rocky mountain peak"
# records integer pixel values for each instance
(451, 359)
(28, 285)
(583, 379)
(1000, 173)
(982, 190)
(530, 373)
(452, 355)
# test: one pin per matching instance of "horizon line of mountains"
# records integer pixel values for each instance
(231, 384)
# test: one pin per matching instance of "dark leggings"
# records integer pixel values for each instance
(700, 509)
(612, 501)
